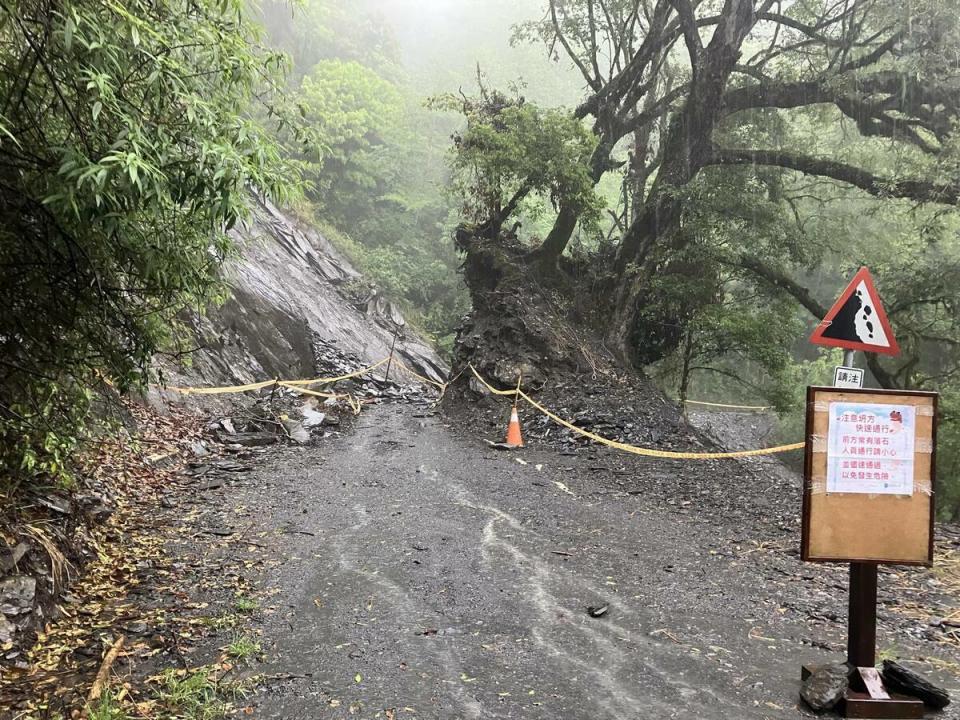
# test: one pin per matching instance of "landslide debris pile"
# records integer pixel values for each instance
(277, 414)
(622, 407)
(297, 310)
(535, 329)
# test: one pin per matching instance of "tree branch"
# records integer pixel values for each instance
(919, 190)
(594, 82)
(691, 34)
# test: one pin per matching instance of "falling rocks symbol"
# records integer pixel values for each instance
(857, 320)
(844, 324)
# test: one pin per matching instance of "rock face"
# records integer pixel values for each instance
(905, 681)
(294, 300)
(825, 687)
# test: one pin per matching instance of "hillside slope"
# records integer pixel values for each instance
(297, 308)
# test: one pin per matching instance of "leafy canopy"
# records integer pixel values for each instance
(511, 148)
(127, 149)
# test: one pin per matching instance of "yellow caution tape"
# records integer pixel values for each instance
(313, 393)
(223, 390)
(292, 384)
(354, 403)
(648, 452)
(325, 381)
(421, 378)
(723, 405)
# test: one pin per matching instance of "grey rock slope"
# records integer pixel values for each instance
(295, 303)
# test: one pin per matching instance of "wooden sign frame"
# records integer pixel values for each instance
(861, 528)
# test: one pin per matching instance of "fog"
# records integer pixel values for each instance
(440, 43)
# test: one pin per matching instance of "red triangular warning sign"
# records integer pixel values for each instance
(857, 320)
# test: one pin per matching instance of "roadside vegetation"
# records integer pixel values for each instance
(127, 150)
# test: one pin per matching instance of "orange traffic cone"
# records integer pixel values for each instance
(514, 437)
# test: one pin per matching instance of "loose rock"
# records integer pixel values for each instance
(10, 558)
(17, 594)
(57, 503)
(906, 681)
(296, 432)
(826, 686)
(7, 630)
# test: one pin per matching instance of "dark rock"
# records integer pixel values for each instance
(10, 558)
(138, 628)
(254, 439)
(598, 610)
(906, 681)
(93, 507)
(826, 686)
(331, 421)
(98, 513)
(17, 594)
(57, 503)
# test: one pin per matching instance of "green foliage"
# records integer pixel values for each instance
(419, 275)
(312, 31)
(511, 148)
(375, 158)
(107, 708)
(245, 604)
(243, 648)
(192, 696)
(127, 151)
(356, 116)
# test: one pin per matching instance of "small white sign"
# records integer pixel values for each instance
(848, 377)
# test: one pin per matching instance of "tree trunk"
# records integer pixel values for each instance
(558, 238)
(687, 149)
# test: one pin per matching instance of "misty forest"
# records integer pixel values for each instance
(243, 242)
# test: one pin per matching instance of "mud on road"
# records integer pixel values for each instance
(405, 570)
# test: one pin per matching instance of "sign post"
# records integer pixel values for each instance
(862, 606)
(868, 495)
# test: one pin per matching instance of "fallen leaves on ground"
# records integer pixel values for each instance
(129, 582)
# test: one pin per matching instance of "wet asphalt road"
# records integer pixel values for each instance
(422, 575)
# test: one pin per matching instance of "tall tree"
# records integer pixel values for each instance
(685, 79)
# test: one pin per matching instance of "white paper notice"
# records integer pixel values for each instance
(870, 448)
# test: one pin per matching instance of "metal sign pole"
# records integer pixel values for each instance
(386, 377)
(862, 608)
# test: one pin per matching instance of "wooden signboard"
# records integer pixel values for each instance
(869, 476)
